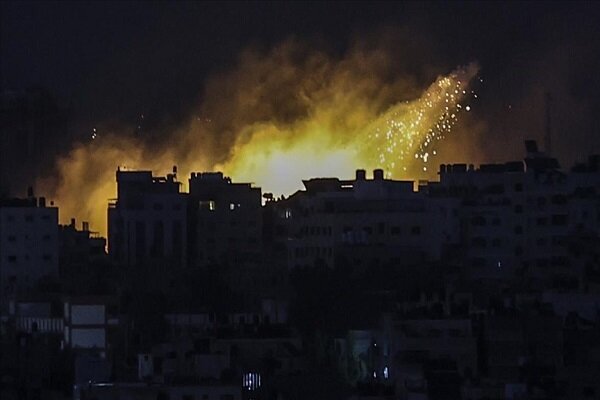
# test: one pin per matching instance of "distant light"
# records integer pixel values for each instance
(251, 381)
(386, 372)
(468, 108)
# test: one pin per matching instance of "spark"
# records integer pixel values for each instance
(414, 127)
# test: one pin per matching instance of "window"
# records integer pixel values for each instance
(395, 230)
(250, 381)
(518, 208)
(157, 206)
(478, 221)
(559, 219)
(479, 242)
(12, 259)
(29, 218)
(415, 230)
(478, 262)
(12, 238)
(47, 257)
(208, 205)
(10, 218)
(231, 206)
(559, 199)
(518, 187)
(518, 229)
(46, 237)
(541, 221)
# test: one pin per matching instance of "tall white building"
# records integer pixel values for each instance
(28, 243)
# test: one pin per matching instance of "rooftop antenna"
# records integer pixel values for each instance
(548, 137)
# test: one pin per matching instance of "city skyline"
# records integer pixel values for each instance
(297, 95)
(255, 200)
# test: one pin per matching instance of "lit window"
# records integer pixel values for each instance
(386, 373)
(251, 381)
(207, 205)
(232, 206)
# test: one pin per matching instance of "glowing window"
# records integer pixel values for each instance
(251, 381)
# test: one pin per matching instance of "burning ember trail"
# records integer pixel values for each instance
(278, 118)
(414, 127)
(401, 140)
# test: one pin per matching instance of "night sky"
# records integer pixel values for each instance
(114, 60)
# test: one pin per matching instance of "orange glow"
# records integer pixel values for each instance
(277, 118)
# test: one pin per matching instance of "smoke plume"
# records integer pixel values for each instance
(280, 116)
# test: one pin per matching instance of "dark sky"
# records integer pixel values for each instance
(113, 60)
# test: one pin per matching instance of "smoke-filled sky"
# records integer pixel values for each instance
(253, 88)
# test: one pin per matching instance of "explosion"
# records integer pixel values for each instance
(277, 118)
